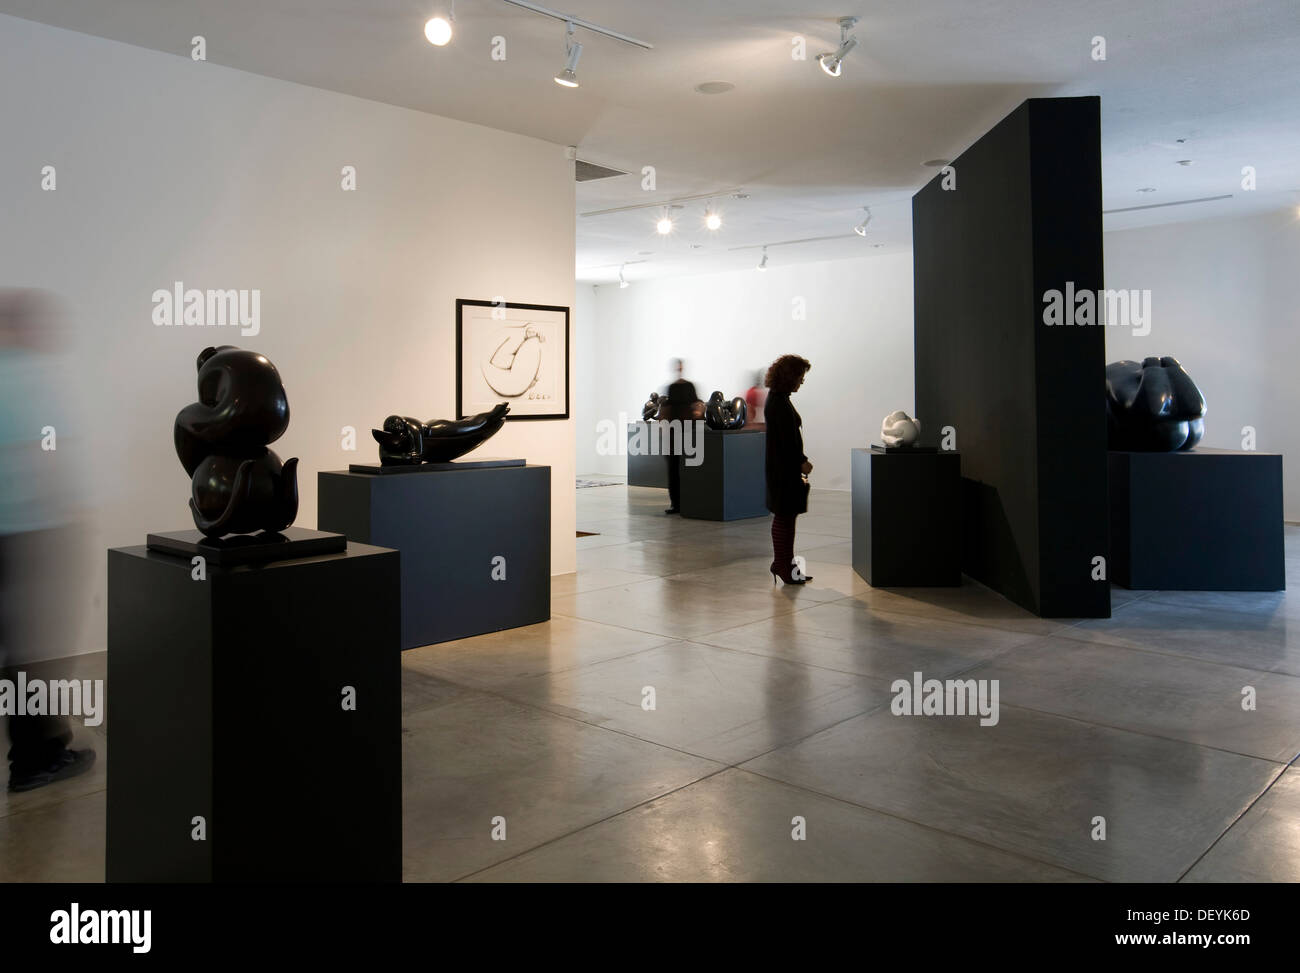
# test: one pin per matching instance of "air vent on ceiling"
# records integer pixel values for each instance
(587, 171)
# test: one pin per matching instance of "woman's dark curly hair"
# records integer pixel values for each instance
(785, 373)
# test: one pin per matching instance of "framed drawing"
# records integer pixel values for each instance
(516, 353)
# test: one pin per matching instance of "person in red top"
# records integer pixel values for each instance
(755, 398)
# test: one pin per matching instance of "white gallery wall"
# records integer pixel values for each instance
(167, 170)
(1223, 303)
(851, 318)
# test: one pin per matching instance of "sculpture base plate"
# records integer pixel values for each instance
(484, 462)
(904, 449)
(234, 549)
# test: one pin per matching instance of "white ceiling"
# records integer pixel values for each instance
(928, 78)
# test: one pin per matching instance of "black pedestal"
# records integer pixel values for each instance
(1202, 520)
(475, 543)
(907, 518)
(644, 469)
(226, 704)
(730, 481)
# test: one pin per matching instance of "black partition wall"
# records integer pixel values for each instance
(1024, 399)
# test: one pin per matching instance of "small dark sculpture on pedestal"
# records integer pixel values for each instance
(650, 411)
(408, 442)
(1153, 407)
(239, 486)
(721, 414)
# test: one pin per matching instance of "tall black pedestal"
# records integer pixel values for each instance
(907, 518)
(475, 543)
(226, 698)
(1202, 520)
(730, 481)
(643, 468)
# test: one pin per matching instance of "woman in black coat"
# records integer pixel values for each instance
(787, 466)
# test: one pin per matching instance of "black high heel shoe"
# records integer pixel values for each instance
(790, 580)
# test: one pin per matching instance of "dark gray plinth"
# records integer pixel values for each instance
(907, 518)
(225, 699)
(1202, 520)
(644, 470)
(449, 526)
(730, 483)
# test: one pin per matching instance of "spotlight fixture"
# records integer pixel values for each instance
(712, 218)
(861, 228)
(572, 51)
(665, 224)
(438, 28)
(831, 61)
(622, 281)
(762, 264)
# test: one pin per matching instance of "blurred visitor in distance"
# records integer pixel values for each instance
(755, 398)
(679, 403)
(35, 537)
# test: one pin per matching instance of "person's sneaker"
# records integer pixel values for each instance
(69, 763)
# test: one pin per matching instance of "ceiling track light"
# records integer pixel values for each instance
(537, 8)
(437, 29)
(572, 51)
(712, 218)
(861, 228)
(665, 223)
(622, 281)
(832, 60)
(762, 264)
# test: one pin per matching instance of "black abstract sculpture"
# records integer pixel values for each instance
(1153, 407)
(408, 442)
(721, 414)
(650, 411)
(238, 485)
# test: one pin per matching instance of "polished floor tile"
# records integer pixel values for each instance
(1241, 710)
(969, 603)
(1264, 846)
(56, 842)
(848, 636)
(680, 609)
(736, 827)
(1035, 784)
(1232, 637)
(724, 705)
(482, 764)
(561, 643)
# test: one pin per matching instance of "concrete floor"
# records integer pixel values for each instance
(773, 703)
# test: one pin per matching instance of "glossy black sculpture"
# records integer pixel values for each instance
(721, 414)
(409, 442)
(238, 485)
(1153, 407)
(650, 411)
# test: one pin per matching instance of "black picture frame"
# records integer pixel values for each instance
(461, 407)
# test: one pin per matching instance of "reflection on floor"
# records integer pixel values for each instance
(771, 719)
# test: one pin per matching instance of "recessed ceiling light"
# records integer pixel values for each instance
(1186, 162)
(714, 87)
(935, 163)
(1147, 189)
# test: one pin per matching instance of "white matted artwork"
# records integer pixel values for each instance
(515, 353)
